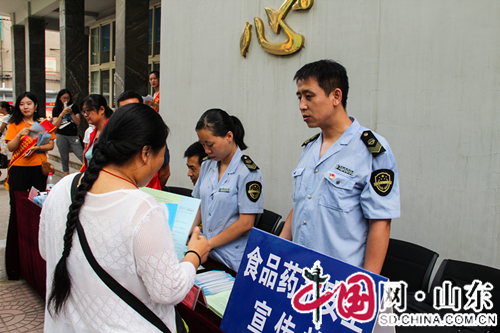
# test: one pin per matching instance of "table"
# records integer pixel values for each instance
(34, 270)
(33, 267)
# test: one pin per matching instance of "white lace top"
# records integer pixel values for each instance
(129, 236)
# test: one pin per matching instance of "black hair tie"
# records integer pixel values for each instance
(191, 251)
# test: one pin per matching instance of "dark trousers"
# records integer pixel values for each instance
(20, 179)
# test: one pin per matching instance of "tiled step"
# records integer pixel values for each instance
(55, 159)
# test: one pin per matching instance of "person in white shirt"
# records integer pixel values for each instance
(127, 231)
(6, 110)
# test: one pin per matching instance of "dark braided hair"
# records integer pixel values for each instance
(131, 128)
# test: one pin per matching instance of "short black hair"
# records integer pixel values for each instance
(196, 149)
(329, 74)
(128, 94)
(156, 73)
(6, 106)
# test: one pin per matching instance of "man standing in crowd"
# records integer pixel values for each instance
(195, 155)
(346, 187)
(163, 174)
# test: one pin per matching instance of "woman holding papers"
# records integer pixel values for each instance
(96, 108)
(66, 117)
(230, 187)
(127, 231)
(24, 168)
(154, 81)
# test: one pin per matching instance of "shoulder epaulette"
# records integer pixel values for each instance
(249, 163)
(206, 158)
(371, 142)
(311, 139)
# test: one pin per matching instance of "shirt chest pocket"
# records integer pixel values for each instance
(297, 179)
(338, 192)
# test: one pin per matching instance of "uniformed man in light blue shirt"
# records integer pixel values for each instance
(346, 187)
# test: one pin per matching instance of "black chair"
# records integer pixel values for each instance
(460, 273)
(178, 190)
(279, 227)
(267, 221)
(409, 262)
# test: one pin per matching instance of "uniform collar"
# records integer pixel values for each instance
(349, 133)
(233, 165)
(344, 140)
(235, 161)
(346, 136)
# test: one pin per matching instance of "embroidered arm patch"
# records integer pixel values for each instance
(382, 181)
(253, 191)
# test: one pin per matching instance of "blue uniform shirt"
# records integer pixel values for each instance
(333, 197)
(223, 201)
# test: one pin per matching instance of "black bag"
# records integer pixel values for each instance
(4, 162)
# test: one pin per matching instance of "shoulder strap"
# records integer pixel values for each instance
(311, 139)
(116, 287)
(371, 142)
(249, 163)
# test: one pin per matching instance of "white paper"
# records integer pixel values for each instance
(147, 98)
(181, 214)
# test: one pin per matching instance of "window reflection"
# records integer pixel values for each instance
(94, 46)
(106, 43)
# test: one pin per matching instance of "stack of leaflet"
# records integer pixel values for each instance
(217, 286)
(214, 282)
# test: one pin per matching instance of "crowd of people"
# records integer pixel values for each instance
(345, 194)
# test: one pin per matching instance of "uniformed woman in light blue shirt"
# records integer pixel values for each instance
(230, 187)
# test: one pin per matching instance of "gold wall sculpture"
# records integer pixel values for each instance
(276, 20)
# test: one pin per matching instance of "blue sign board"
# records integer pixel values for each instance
(282, 287)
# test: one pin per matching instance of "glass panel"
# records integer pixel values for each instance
(94, 46)
(157, 24)
(94, 82)
(150, 34)
(106, 43)
(114, 41)
(105, 84)
(114, 87)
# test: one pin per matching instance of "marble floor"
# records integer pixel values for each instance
(21, 308)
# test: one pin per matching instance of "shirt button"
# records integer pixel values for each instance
(309, 197)
(315, 170)
(237, 246)
(303, 222)
(210, 230)
(209, 214)
(337, 182)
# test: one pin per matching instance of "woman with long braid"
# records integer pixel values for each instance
(127, 231)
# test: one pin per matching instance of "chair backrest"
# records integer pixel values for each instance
(409, 262)
(462, 273)
(178, 190)
(267, 221)
(279, 227)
